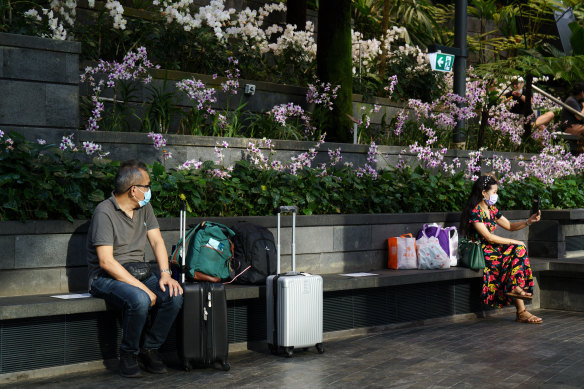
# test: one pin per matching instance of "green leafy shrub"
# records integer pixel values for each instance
(39, 181)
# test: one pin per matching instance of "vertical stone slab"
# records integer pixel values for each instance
(352, 238)
(7, 260)
(62, 105)
(23, 103)
(2, 66)
(39, 79)
(49, 250)
(25, 282)
(546, 239)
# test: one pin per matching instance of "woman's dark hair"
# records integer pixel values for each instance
(476, 195)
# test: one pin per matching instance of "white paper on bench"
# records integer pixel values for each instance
(72, 296)
(359, 274)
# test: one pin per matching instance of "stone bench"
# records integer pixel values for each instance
(43, 305)
(71, 334)
(81, 334)
(389, 297)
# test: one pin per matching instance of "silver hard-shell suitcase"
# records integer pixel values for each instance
(294, 304)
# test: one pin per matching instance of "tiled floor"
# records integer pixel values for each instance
(494, 352)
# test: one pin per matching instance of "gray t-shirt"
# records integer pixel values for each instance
(110, 226)
(568, 118)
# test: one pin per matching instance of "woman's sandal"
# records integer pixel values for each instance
(526, 317)
(521, 294)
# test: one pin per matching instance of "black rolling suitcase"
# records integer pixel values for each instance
(202, 326)
(202, 323)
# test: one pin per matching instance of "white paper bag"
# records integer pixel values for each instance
(402, 252)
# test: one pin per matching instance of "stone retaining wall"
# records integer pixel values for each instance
(50, 256)
(42, 76)
(39, 80)
(559, 234)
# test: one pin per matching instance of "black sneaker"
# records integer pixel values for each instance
(129, 365)
(152, 361)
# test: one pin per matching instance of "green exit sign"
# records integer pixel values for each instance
(441, 62)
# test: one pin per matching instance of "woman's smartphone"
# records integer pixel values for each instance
(535, 205)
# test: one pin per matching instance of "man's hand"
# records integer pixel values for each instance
(152, 297)
(159, 249)
(174, 288)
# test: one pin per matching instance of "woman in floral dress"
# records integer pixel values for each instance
(507, 276)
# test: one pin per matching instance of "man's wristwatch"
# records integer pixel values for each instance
(166, 271)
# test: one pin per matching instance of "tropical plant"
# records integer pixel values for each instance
(577, 38)
(161, 109)
(366, 15)
(420, 18)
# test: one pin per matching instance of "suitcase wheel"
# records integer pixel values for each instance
(289, 351)
(320, 348)
(225, 366)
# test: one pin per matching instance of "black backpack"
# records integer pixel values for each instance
(255, 251)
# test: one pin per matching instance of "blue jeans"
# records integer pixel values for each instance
(135, 304)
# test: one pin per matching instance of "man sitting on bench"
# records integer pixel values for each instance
(572, 123)
(518, 108)
(116, 239)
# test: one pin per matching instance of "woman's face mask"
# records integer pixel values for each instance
(492, 200)
(490, 197)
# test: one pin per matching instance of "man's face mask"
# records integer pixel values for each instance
(147, 197)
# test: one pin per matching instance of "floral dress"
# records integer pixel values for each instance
(506, 265)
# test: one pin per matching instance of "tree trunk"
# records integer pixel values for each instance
(334, 65)
(296, 13)
(384, 27)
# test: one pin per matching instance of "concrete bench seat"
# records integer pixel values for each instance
(70, 335)
(47, 258)
(20, 307)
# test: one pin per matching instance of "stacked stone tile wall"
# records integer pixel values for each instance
(39, 80)
(560, 234)
(50, 256)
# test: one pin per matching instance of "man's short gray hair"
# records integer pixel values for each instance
(129, 173)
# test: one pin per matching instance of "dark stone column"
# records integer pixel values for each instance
(334, 64)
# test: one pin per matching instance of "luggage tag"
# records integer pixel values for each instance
(215, 244)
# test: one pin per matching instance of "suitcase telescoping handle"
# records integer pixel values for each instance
(183, 229)
(287, 209)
